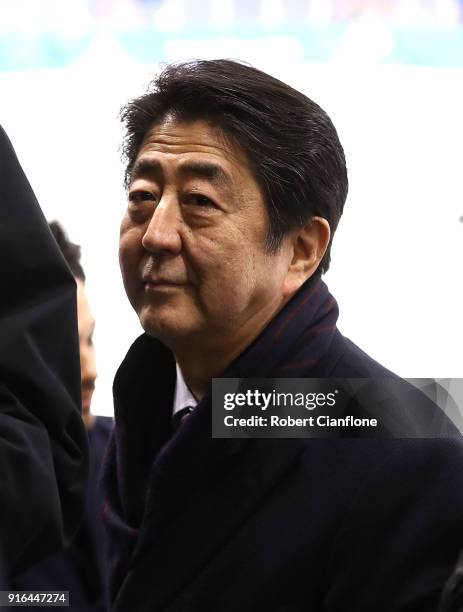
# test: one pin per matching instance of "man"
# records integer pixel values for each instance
(80, 569)
(43, 446)
(236, 183)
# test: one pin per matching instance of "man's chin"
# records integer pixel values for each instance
(167, 331)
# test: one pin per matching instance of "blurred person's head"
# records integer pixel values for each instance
(86, 322)
(236, 183)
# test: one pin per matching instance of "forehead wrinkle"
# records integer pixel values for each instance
(200, 149)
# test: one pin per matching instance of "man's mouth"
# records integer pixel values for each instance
(153, 283)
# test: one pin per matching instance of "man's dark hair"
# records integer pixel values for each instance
(70, 251)
(291, 144)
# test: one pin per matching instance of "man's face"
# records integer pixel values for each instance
(192, 245)
(86, 325)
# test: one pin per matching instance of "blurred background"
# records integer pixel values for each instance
(389, 73)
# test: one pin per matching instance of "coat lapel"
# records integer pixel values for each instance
(202, 491)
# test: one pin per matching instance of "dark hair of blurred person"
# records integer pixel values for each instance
(70, 251)
(300, 166)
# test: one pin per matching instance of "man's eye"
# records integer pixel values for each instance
(136, 197)
(197, 199)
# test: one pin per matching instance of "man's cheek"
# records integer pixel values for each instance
(130, 249)
(124, 250)
(130, 275)
(126, 268)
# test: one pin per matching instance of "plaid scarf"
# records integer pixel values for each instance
(140, 451)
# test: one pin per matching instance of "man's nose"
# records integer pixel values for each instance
(162, 233)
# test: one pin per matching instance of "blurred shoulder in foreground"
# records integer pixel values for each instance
(43, 444)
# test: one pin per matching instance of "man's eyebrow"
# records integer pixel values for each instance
(145, 167)
(207, 170)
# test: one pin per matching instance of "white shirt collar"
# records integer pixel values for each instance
(183, 396)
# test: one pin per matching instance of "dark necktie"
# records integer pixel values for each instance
(181, 416)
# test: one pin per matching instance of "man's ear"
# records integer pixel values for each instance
(309, 244)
